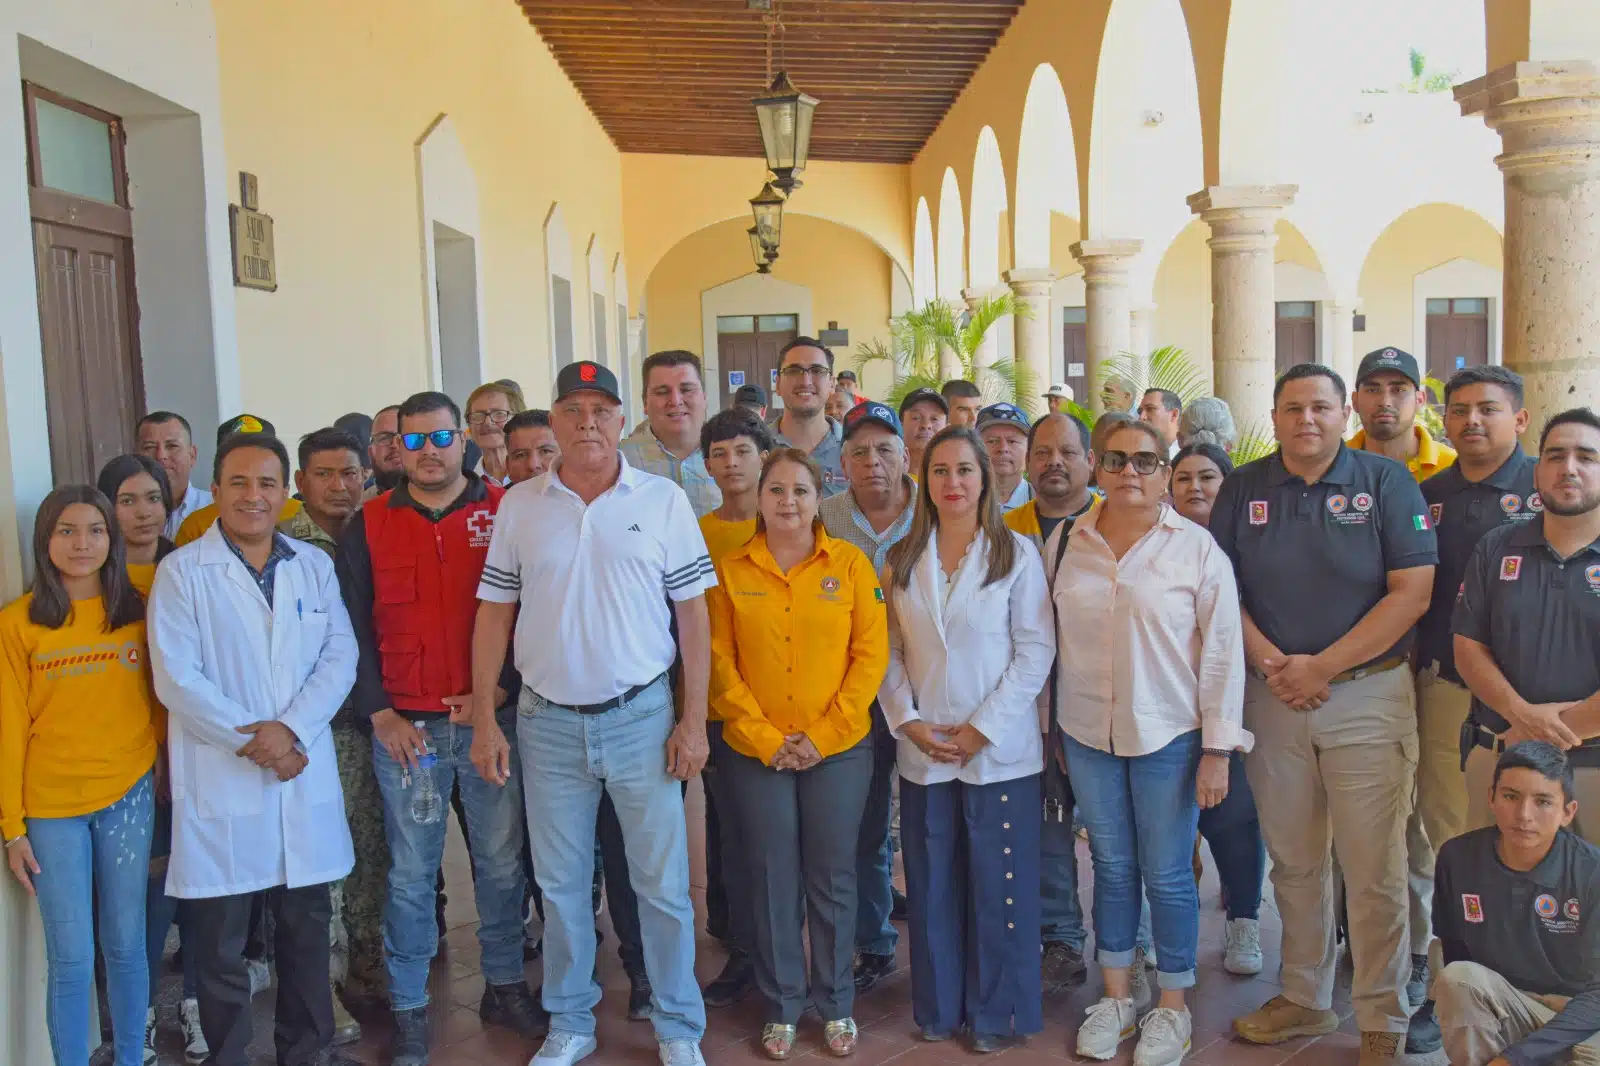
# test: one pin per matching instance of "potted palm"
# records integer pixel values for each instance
(923, 341)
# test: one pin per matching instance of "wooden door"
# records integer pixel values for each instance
(1458, 335)
(1075, 352)
(749, 345)
(83, 260)
(1296, 333)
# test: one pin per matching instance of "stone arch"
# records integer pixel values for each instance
(1047, 169)
(951, 235)
(924, 280)
(988, 208)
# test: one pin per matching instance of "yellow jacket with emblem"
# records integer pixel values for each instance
(1431, 456)
(802, 652)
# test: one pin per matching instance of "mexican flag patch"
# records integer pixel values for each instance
(879, 594)
(1420, 522)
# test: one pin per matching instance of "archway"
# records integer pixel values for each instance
(952, 231)
(988, 211)
(924, 281)
(1047, 169)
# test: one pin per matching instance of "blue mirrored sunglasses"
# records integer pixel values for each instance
(442, 438)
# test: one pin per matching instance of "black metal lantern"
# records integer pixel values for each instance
(759, 253)
(784, 115)
(767, 207)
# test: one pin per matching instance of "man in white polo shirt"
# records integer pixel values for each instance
(602, 548)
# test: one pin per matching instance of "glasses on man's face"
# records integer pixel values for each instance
(498, 416)
(442, 438)
(1143, 462)
(383, 440)
(794, 372)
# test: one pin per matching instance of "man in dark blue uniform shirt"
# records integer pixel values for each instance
(1514, 914)
(1527, 625)
(1334, 552)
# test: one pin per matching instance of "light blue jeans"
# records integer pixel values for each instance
(102, 857)
(568, 759)
(1141, 814)
(494, 835)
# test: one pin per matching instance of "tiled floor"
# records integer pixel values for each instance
(884, 1015)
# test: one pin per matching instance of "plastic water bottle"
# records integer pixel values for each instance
(427, 806)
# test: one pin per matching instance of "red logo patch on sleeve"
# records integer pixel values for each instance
(1472, 908)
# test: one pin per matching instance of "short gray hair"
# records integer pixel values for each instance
(1207, 421)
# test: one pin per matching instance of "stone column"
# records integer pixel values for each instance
(1342, 338)
(1031, 288)
(1141, 329)
(1548, 116)
(989, 350)
(1108, 306)
(1243, 319)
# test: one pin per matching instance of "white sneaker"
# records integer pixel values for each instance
(195, 1048)
(149, 1036)
(1139, 981)
(260, 976)
(1109, 1023)
(562, 1048)
(1242, 947)
(1164, 1036)
(681, 1053)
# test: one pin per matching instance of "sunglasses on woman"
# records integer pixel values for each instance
(442, 438)
(1143, 462)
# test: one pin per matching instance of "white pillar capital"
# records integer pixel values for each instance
(1031, 288)
(974, 298)
(1105, 260)
(1242, 217)
(1030, 281)
(1108, 305)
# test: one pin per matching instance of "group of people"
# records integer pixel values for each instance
(247, 710)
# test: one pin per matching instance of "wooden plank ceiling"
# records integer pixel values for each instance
(677, 76)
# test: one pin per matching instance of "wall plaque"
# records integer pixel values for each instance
(255, 264)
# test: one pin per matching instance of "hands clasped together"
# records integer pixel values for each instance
(945, 744)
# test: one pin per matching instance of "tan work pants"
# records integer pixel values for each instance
(1441, 805)
(1343, 774)
(1481, 1014)
(1585, 785)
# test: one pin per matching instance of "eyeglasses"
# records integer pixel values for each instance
(383, 440)
(498, 417)
(794, 372)
(1143, 462)
(442, 438)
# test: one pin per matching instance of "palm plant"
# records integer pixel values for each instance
(918, 340)
(1168, 367)
(1255, 442)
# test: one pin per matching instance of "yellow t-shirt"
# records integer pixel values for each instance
(143, 575)
(194, 527)
(1431, 456)
(79, 722)
(721, 538)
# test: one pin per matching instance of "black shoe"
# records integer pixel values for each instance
(639, 995)
(514, 1007)
(870, 969)
(1062, 966)
(897, 906)
(410, 1047)
(1423, 1036)
(735, 981)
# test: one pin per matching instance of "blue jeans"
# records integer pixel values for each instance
(875, 933)
(98, 858)
(1234, 834)
(569, 759)
(494, 836)
(161, 910)
(1141, 814)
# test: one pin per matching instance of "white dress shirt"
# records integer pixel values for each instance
(193, 499)
(960, 652)
(1151, 645)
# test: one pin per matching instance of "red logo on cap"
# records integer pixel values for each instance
(586, 372)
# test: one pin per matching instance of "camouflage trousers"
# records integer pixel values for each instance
(357, 958)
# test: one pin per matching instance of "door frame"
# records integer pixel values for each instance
(751, 294)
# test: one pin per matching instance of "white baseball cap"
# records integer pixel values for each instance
(1059, 392)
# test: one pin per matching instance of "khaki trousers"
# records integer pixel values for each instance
(1441, 804)
(1481, 1014)
(1341, 775)
(1585, 786)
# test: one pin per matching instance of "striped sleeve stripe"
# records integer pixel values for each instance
(503, 575)
(495, 581)
(691, 574)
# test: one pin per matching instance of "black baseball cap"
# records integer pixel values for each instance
(1389, 359)
(244, 424)
(870, 411)
(586, 376)
(1002, 414)
(916, 396)
(751, 394)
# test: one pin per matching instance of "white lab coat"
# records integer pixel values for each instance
(982, 657)
(222, 658)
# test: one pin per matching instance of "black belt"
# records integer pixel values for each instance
(611, 704)
(1474, 735)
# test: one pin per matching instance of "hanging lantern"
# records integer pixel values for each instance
(784, 115)
(758, 253)
(767, 207)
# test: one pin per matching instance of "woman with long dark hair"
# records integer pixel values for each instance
(141, 498)
(79, 730)
(1231, 827)
(799, 644)
(970, 648)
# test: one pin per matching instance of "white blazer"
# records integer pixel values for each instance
(222, 658)
(982, 657)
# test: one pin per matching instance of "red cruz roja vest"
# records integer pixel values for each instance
(425, 596)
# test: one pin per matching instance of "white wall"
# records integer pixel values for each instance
(450, 200)
(753, 294)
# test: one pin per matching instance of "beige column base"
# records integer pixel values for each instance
(1106, 264)
(1031, 287)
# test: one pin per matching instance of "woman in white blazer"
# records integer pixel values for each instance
(971, 644)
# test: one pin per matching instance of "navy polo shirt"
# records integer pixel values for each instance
(1462, 512)
(1539, 616)
(1312, 560)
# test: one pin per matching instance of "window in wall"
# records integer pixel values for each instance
(599, 300)
(1296, 333)
(561, 319)
(1458, 334)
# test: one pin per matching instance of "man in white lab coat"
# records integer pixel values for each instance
(252, 654)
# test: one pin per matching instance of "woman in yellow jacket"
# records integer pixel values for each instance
(79, 726)
(799, 645)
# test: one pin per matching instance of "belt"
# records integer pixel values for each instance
(1474, 735)
(1357, 674)
(611, 704)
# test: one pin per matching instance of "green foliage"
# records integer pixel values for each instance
(1431, 414)
(1255, 442)
(1422, 79)
(917, 338)
(1167, 368)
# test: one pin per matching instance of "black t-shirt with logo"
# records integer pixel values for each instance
(1312, 560)
(1539, 929)
(1462, 512)
(1539, 616)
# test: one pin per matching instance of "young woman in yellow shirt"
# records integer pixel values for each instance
(79, 728)
(799, 644)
